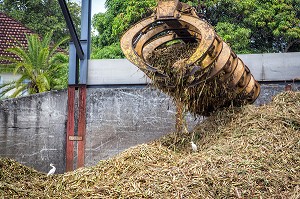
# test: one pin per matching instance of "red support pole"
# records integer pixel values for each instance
(70, 129)
(81, 126)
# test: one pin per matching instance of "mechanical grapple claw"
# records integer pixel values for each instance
(184, 57)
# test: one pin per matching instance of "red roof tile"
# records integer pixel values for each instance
(11, 30)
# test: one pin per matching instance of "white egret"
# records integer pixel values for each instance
(194, 146)
(52, 171)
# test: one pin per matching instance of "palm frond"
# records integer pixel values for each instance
(21, 89)
(43, 83)
(6, 84)
(6, 87)
(17, 43)
(22, 79)
(7, 68)
(59, 58)
(47, 39)
(21, 53)
(8, 59)
(55, 47)
(60, 61)
(19, 68)
(42, 58)
(33, 48)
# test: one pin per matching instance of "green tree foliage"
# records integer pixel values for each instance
(41, 16)
(250, 26)
(112, 51)
(41, 66)
(238, 38)
(273, 24)
(276, 24)
(120, 15)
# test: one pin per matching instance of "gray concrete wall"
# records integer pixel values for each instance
(118, 118)
(268, 90)
(33, 128)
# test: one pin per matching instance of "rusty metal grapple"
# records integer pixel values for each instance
(185, 58)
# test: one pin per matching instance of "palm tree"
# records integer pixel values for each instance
(41, 66)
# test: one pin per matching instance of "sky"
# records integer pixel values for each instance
(97, 6)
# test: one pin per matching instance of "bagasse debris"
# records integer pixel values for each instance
(249, 152)
(200, 99)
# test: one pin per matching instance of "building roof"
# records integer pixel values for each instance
(10, 31)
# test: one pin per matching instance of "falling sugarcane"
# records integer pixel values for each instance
(185, 58)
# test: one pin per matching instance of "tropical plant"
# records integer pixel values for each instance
(40, 65)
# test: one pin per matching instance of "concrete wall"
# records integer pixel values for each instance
(33, 128)
(268, 90)
(118, 118)
(273, 66)
(264, 67)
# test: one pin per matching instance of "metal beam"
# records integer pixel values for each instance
(85, 38)
(70, 129)
(81, 126)
(73, 65)
(71, 28)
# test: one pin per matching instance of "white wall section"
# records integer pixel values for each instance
(264, 67)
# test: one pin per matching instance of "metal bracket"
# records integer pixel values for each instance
(168, 9)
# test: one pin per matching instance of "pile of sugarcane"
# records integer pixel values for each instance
(248, 152)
